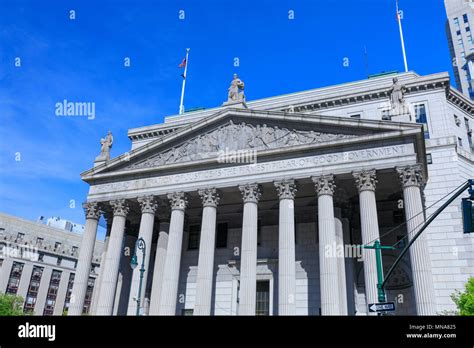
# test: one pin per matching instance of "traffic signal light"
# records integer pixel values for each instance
(467, 215)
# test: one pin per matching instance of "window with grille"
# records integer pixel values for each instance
(263, 298)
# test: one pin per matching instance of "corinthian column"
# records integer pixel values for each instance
(286, 248)
(148, 206)
(160, 260)
(365, 181)
(412, 180)
(248, 260)
(105, 304)
(84, 261)
(327, 245)
(210, 199)
(169, 292)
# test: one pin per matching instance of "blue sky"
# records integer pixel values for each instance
(82, 60)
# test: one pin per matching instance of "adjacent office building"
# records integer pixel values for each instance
(459, 26)
(38, 262)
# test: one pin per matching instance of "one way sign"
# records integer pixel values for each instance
(382, 307)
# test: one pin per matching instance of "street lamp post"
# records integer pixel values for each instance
(140, 245)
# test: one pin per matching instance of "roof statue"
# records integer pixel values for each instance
(106, 145)
(235, 93)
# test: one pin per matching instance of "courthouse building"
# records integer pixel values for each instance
(245, 208)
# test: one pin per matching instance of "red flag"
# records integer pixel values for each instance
(183, 63)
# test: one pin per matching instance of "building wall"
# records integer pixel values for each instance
(31, 254)
(460, 39)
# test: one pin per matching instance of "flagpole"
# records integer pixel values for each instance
(401, 37)
(181, 106)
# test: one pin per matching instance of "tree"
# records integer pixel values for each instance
(465, 300)
(11, 305)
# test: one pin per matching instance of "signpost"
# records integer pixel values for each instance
(382, 307)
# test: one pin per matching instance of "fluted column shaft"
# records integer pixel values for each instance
(341, 262)
(327, 240)
(85, 258)
(412, 180)
(286, 248)
(105, 305)
(248, 261)
(210, 199)
(158, 271)
(365, 182)
(148, 207)
(169, 292)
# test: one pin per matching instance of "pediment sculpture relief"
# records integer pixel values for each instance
(232, 136)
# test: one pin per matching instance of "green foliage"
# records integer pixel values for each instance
(465, 300)
(11, 305)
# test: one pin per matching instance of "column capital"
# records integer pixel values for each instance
(148, 204)
(365, 180)
(92, 210)
(178, 200)
(250, 192)
(324, 184)
(286, 189)
(120, 207)
(210, 197)
(411, 175)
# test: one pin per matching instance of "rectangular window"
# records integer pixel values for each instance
(429, 159)
(457, 121)
(468, 29)
(221, 237)
(52, 292)
(39, 241)
(58, 261)
(263, 298)
(464, 17)
(193, 241)
(68, 292)
(421, 117)
(14, 280)
(74, 249)
(456, 22)
(57, 245)
(459, 142)
(33, 288)
(19, 237)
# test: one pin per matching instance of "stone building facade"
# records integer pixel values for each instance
(38, 262)
(245, 208)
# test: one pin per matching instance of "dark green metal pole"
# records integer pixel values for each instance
(141, 246)
(378, 260)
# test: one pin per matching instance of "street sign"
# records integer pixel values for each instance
(382, 307)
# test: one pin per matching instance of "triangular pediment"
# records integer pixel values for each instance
(233, 138)
(235, 131)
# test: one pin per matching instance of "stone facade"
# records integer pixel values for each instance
(39, 262)
(328, 172)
